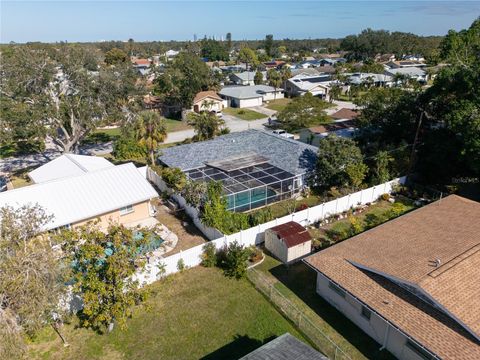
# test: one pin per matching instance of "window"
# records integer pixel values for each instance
(424, 354)
(366, 313)
(337, 289)
(126, 210)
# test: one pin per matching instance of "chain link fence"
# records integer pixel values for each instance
(297, 316)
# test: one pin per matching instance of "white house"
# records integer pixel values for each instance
(249, 96)
(246, 77)
(317, 85)
(409, 72)
(208, 101)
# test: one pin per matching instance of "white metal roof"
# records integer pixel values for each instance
(68, 165)
(81, 197)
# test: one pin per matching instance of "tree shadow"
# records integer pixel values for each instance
(240, 346)
(301, 280)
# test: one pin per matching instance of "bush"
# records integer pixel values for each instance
(261, 217)
(181, 265)
(127, 148)
(396, 210)
(301, 207)
(174, 178)
(235, 262)
(372, 220)
(209, 255)
(255, 254)
(241, 112)
(385, 197)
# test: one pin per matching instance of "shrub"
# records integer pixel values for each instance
(174, 178)
(396, 210)
(181, 265)
(261, 217)
(301, 207)
(255, 254)
(385, 197)
(235, 263)
(241, 112)
(372, 220)
(356, 226)
(209, 255)
(126, 148)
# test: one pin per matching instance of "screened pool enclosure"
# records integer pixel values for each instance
(249, 182)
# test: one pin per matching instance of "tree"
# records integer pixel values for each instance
(103, 264)
(235, 262)
(174, 178)
(302, 112)
(228, 37)
(268, 44)
(30, 277)
(275, 80)
(356, 173)
(335, 156)
(335, 91)
(63, 94)
(150, 131)
(381, 171)
(182, 80)
(194, 193)
(214, 50)
(258, 78)
(207, 125)
(248, 56)
(115, 56)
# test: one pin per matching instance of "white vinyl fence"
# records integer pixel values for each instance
(255, 235)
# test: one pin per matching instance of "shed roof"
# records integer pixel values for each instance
(433, 252)
(285, 347)
(292, 233)
(68, 165)
(85, 196)
(290, 155)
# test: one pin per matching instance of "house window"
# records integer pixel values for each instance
(419, 350)
(366, 313)
(126, 210)
(337, 289)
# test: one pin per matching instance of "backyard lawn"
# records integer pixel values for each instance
(197, 314)
(244, 114)
(278, 105)
(297, 283)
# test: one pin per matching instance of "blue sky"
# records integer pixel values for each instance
(51, 21)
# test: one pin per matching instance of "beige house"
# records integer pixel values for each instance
(288, 242)
(208, 101)
(73, 197)
(412, 284)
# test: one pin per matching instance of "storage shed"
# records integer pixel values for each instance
(288, 242)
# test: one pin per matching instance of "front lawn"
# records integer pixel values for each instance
(197, 314)
(278, 105)
(176, 125)
(244, 114)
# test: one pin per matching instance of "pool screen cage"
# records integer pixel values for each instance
(250, 187)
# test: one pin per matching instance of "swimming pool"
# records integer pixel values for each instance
(153, 243)
(250, 199)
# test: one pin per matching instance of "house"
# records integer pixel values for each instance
(345, 114)
(379, 80)
(171, 53)
(249, 96)
(405, 64)
(285, 347)
(342, 128)
(255, 167)
(317, 85)
(275, 64)
(412, 284)
(142, 66)
(383, 58)
(68, 165)
(414, 73)
(119, 194)
(246, 77)
(288, 242)
(208, 101)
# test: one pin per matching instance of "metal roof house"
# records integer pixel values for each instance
(249, 96)
(255, 167)
(412, 283)
(112, 194)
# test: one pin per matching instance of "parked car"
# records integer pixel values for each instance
(283, 133)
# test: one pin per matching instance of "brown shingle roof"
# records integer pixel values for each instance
(206, 94)
(405, 249)
(344, 113)
(292, 233)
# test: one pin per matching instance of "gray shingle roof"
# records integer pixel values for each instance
(285, 347)
(247, 92)
(289, 155)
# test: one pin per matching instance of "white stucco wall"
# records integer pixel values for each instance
(376, 327)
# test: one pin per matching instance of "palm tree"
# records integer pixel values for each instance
(275, 80)
(206, 124)
(150, 130)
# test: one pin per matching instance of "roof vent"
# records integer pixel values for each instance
(436, 263)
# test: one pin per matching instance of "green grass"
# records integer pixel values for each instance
(244, 114)
(176, 125)
(195, 314)
(283, 208)
(279, 104)
(297, 283)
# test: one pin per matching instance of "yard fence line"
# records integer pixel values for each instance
(306, 325)
(255, 235)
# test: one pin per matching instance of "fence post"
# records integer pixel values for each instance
(335, 356)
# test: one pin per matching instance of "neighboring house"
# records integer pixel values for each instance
(255, 167)
(317, 85)
(412, 284)
(345, 114)
(246, 77)
(405, 64)
(379, 80)
(208, 101)
(342, 128)
(68, 165)
(118, 194)
(411, 73)
(249, 96)
(142, 66)
(276, 64)
(285, 347)
(383, 58)
(288, 242)
(171, 53)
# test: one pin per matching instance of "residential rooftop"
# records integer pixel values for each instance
(290, 155)
(420, 272)
(247, 92)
